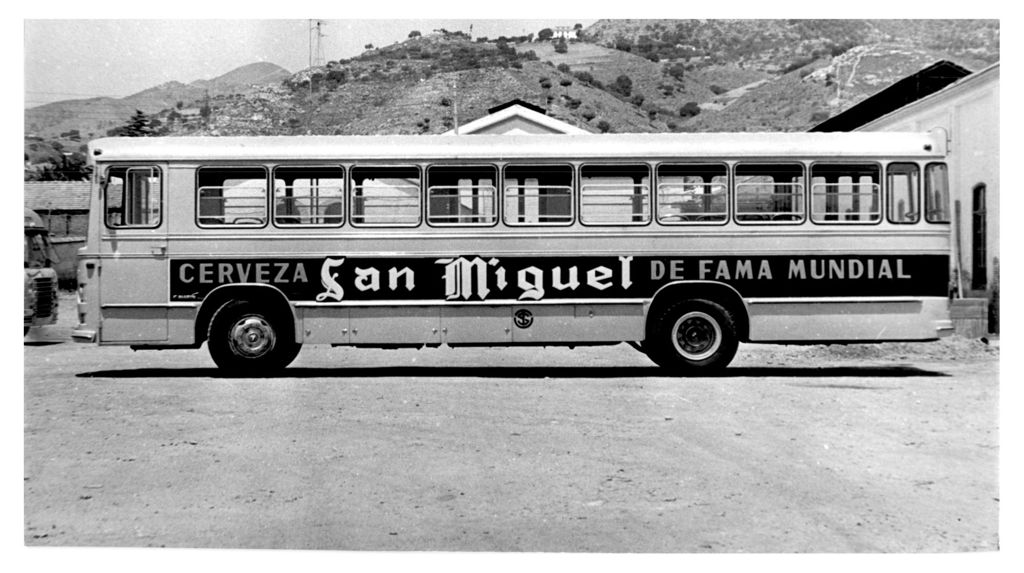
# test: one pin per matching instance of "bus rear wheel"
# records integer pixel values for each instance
(247, 340)
(693, 336)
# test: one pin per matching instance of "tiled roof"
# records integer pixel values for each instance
(57, 195)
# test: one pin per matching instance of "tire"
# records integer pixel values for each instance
(693, 336)
(246, 340)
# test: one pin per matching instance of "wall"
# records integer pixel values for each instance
(969, 112)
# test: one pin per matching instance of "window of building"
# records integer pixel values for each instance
(132, 197)
(232, 196)
(770, 193)
(309, 196)
(692, 194)
(615, 194)
(936, 193)
(462, 195)
(386, 196)
(846, 193)
(538, 195)
(902, 184)
(979, 238)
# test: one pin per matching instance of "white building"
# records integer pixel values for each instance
(968, 110)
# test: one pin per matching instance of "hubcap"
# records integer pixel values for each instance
(252, 337)
(696, 335)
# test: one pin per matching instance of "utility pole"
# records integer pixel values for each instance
(318, 59)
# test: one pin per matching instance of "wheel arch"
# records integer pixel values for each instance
(718, 292)
(254, 292)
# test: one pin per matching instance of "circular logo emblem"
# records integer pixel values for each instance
(523, 318)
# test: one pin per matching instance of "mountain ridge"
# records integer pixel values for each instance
(619, 76)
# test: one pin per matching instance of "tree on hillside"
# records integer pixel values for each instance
(545, 34)
(676, 70)
(623, 85)
(415, 34)
(138, 126)
(561, 47)
(691, 109)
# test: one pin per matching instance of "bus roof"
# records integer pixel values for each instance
(588, 146)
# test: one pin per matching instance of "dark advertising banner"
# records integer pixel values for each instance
(489, 278)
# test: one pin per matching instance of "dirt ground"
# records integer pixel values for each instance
(886, 448)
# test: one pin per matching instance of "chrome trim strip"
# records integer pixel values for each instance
(840, 299)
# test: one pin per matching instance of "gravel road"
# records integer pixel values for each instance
(888, 448)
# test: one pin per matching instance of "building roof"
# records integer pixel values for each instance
(516, 117)
(990, 73)
(520, 103)
(528, 147)
(57, 195)
(911, 88)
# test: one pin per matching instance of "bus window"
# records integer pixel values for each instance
(309, 196)
(385, 196)
(615, 194)
(769, 192)
(901, 193)
(462, 195)
(936, 193)
(232, 196)
(692, 193)
(132, 197)
(845, 193)
(538, 195)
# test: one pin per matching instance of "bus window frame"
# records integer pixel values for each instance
(917, 192)
(266, 198)
(351, 192)
(804, 190)
(650, 200)
(273, 197)
(949, 194)
(728, 194)
(573, 194)
(425, 191)
(128, 167)
(810, 193)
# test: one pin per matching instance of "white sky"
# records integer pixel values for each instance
(75, 59)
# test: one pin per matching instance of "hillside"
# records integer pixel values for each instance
(774, 45)
(621, 76)
(93, 117)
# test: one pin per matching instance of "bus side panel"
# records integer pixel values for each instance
(476, 324)
(133, 298)
(824, 322)
(325, 325)
(395, 325)
(134, 324)
(578, 323)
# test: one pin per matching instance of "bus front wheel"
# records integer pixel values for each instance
(247, 340)
(693, 336)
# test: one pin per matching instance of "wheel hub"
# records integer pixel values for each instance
(697, 335)
(252, 336)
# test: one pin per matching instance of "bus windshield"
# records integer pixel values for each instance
(39, 251)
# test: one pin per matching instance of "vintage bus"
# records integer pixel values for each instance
(680, 245)
(40, 276)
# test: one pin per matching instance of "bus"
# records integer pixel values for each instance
(40, 276)
(681, 245)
